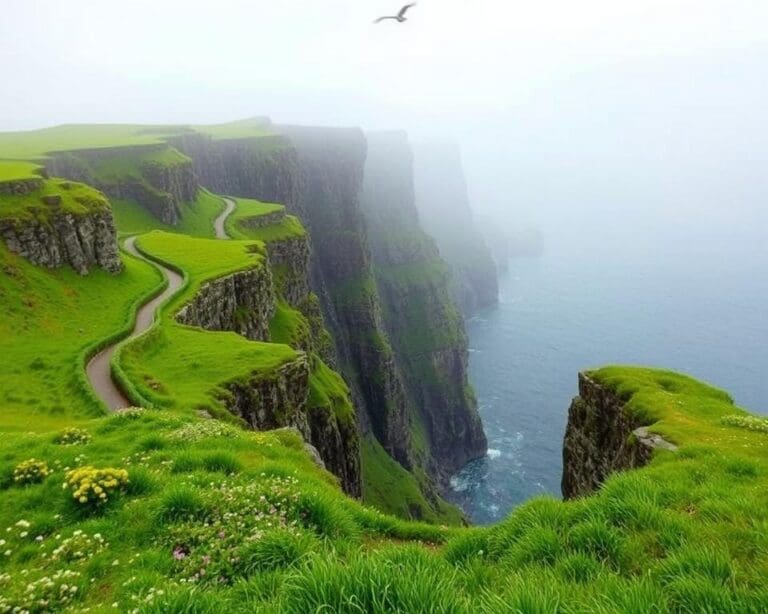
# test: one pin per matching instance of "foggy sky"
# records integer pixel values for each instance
(598, 108)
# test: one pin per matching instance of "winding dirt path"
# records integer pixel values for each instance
(99, 368)
(219, 222)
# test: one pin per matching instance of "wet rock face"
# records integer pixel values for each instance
(338, 445)
(80, 241)
(243, 302)
(602, 437)
(331, 164)
(318, 175)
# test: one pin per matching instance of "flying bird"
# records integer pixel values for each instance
(400, 17)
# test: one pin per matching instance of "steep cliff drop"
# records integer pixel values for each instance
(317, 173)
(602, 437)
(424, 326)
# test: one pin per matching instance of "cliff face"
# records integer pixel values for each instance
(602, 437)
(424, 326)
(290, 258)
(157, 177)
(443, 203)
(243, 302)
(266, 168)
(273, 400)
(318, 175)
(282, 399)
(54, 223)
(332, 165)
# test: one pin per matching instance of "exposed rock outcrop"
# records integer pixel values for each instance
(602, 437)
(58, 237)
(242, 302)
(274, 399)
(337, 442)
(280, 398)
(332, 166)
(317, 174)
(443, 203)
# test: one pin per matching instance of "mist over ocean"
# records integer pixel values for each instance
(695, 303)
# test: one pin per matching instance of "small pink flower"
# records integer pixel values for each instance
(179, 553)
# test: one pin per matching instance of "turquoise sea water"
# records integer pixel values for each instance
(703, 312)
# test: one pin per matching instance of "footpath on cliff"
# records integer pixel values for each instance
(99, 368)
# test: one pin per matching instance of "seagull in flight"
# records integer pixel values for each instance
(400, 17)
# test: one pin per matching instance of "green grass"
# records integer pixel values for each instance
(682, 409)
(10, 170)
(288, 326)
(392, 489)
(51, 320)
(73, 198)
(328, 390)
(260, 510)
(130, 162)
(196, 217)
(273, 532)
(289, 227)
(181, 367)
(240, 129)
(37, 144)
(200, 259)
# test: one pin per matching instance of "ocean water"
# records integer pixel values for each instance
(703, 312)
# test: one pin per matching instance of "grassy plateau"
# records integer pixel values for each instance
(38, 144)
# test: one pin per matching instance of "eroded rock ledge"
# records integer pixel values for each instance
(242, 302)
(602, 437)
(81, 241)
(279, 399)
